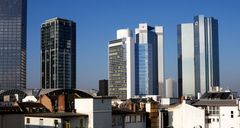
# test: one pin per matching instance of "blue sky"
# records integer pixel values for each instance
(98, 20)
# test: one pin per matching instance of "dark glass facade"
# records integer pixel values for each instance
(58, 54)
(198, 56)
(13, 22)
(146, 62)
(206, 53)
(103, 88)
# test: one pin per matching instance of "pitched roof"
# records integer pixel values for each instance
(215, 103)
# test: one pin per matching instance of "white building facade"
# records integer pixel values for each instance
(56, 120)
(186, 116)
(220, 113)
(99, 111)
(121, 65)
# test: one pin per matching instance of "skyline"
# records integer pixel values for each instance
(97, 25)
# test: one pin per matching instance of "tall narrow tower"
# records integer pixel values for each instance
(198, 56)
(13, 29)
(58, 54)
(206, 53)
(121, 68)
(149, 60)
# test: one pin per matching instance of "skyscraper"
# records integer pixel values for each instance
(198, 46)
(103, 88)
(13, 29)
(58, 54)
(149, 60)
(121, 68)
(186, 66)
(206, 53)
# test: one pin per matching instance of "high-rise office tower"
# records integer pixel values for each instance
(186, 70)
(121, 68)
(149, 74)
(58, 54)
(206, 52)
(13, 29)
(202, 35)
(169, 87)
(103, 88)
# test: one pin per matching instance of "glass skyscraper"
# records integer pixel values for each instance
(58, 54)
(198, 56)
(206, 53)
(186, 68)
(13, 27)
(149, 60)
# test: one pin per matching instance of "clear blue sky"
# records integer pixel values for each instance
(98, 20)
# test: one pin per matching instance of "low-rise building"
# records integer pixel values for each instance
(185, 116)
(127, 119)
(222, 109)
(56, 120)
(98, 109)
(11, 115)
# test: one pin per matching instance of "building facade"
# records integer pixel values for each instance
(221, 109)
(58, 54)
(99, 111)
(121, 68)
(186, 71)
(13, 29)
(198, 56)
(186, 116)
(56, 120)
(169, 88)
(206, 53)
(103, 88)
(149, 74)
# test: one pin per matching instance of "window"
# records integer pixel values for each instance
(28, 120)
(209, 120)
(67, 124)
(55, 123)
(139, 118)
(113, 121)
(231, 114)
(133, 119)
(213, 110)
(127, 119)
(81, 122)
(217, 120)
(40, 123)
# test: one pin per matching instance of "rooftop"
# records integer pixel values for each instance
(56, 115)
(219, 95)
(215, 103)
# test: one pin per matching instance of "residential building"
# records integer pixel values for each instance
(99, 111)
(222, 109)
(149, 74)
(58, 54)
(185, 116)
(56, 120)
(127, 119)
(103, 88)
(198, 56)
(12, 120)
(13, 31)
(121, 68)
